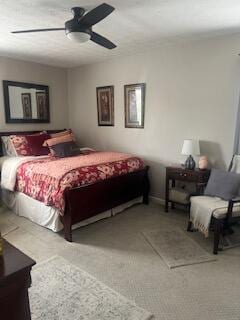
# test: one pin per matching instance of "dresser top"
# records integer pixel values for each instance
(13, 261)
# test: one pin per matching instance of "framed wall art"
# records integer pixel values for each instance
(42, 106)
(134, 98)
(105, 105)
(26, 105)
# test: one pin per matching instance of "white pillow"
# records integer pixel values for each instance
(8, 147)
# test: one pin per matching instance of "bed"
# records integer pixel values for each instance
(84, 202)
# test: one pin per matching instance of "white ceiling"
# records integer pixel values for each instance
(135, 25)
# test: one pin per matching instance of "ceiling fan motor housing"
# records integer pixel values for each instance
(73, 24)
(78, 12)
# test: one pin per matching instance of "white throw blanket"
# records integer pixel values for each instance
(9, 166)
(9, 171)
(202, 209)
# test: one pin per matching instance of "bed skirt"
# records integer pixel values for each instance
(48, 217)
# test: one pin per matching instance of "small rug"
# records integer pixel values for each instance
(61, 291)
(176, 248)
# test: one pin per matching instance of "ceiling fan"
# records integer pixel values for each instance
(80, 27)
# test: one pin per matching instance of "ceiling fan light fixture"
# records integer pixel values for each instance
(79, 36)
(79, 28)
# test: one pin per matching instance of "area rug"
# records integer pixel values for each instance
(176, 248)
(61, 291)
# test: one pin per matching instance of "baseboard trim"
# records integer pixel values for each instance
(157, 200)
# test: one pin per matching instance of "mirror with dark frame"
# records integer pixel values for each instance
(26, 102)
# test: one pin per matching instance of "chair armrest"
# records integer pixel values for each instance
(230, 207)
(235, 200)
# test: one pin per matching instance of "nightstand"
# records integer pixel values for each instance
(173, 174)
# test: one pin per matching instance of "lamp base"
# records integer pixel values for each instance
(190, 163)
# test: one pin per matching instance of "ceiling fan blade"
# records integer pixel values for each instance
(104, 42)
(97, 14)
(38, 30)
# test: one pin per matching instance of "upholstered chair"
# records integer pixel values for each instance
(223, 213)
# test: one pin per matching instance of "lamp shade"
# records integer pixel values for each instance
(191, 147)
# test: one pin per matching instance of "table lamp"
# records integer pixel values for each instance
(190, 147)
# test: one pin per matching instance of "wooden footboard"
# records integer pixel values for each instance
(89, 200)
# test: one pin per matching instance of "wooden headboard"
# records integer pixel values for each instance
(8, 133)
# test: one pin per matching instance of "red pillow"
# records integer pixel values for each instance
(35, 143)
(20, 145)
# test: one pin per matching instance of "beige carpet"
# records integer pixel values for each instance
(176, 248)
(6, 226)
(116, 253)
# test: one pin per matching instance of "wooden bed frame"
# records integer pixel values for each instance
(98, 197)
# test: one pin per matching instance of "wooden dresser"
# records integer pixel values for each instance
(15, 279)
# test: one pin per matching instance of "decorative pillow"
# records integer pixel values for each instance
(65, 149)
(52, 141)
(60, 134)
(8, 147)
(20, 144)
(59, 140)
(223, 184)
(35, 144)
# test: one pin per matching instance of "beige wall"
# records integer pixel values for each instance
(55, 78)
(192, 91)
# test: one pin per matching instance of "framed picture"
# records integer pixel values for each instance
(105, 106)
(42, 105)
(26, 105)
(134, 96)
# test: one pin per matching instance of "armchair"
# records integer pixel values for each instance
(223, 213)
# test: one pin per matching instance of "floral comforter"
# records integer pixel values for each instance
(46, 179)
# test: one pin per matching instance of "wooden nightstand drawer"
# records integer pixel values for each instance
(181, 174)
